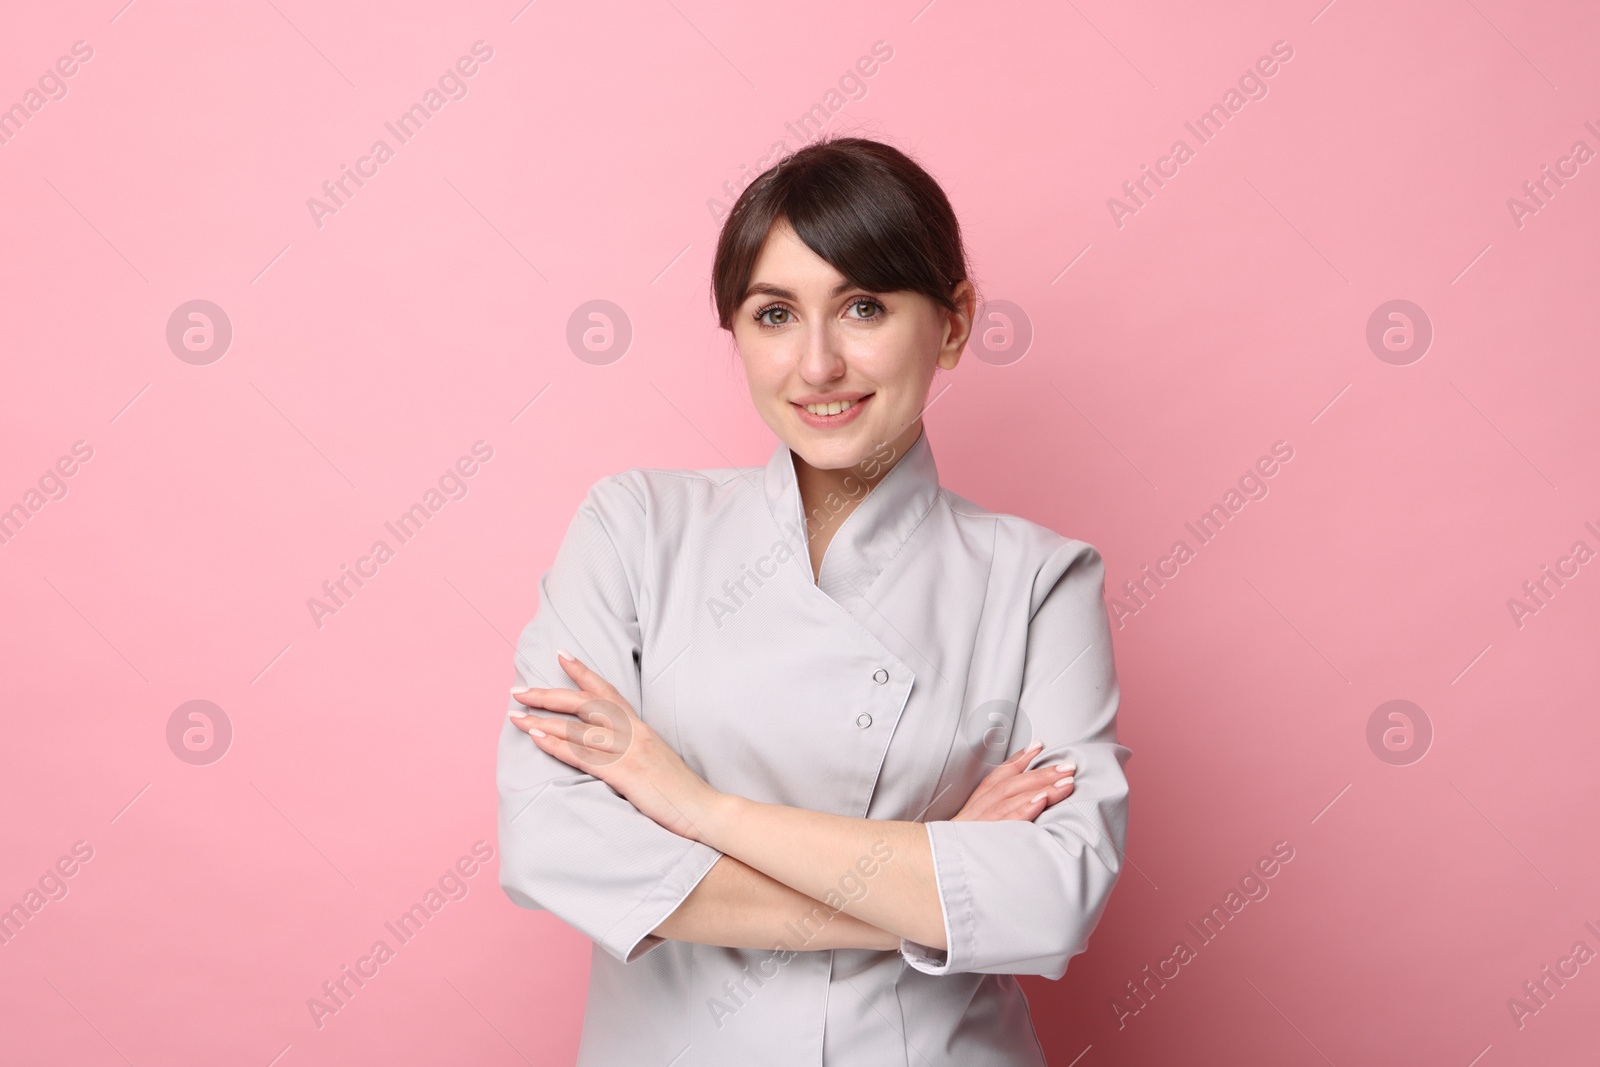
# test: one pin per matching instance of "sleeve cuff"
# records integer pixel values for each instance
(630, 938)
(922, 957)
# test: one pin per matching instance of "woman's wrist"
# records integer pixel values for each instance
(717, 812)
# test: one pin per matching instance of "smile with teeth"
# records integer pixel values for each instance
(830, 409)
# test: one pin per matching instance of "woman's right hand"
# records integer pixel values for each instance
(1010, 792)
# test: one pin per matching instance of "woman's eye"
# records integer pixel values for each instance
(761, 316)
(783, 316)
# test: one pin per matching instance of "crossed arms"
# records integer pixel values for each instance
(634, 849)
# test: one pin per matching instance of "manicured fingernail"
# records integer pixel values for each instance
(1041, 796)
(521, 688)
(1068, 767)
(537, 733)
(564, 654)
(516, 713)
(1064, 781)
(1035, 745)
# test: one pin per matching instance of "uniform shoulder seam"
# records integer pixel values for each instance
(965, 508)
(714, 475)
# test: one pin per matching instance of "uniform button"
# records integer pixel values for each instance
(863, 720)
(880, 676)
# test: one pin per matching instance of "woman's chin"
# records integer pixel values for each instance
(832, 451)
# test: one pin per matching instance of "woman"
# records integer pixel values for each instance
(787, 785)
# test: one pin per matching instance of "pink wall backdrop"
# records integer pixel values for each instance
(1373, 273)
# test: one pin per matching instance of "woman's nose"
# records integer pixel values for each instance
(821, 361)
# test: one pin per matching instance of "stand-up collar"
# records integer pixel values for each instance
(873, 533)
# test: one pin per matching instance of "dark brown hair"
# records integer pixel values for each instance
(865, 207)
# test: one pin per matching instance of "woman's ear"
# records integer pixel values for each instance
(959, 323)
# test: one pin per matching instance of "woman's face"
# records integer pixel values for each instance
(807, 336)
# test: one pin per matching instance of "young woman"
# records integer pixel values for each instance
(836, 757)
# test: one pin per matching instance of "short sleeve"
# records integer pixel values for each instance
(1023, 897)
(569, 843)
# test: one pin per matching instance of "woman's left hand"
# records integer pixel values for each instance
(611, 742)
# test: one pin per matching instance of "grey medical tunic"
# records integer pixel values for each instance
(938, 639)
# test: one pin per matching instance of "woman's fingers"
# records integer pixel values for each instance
(588, 706)
(1050, 795)
(1000, 785)
(568, 700)
(1031, 807)
(590, 686)
(1045, 780)
(586, 678)
(1012, 777)
(1012, 792)
(575, 755)
(1005, 771)
(1031, 793)
(1056, 777)
(596, 730)
(1021, 759)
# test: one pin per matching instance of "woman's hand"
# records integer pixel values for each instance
(611, 742)
(1009, 792)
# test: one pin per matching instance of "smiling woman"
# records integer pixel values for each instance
(871, 240)
(690, 789)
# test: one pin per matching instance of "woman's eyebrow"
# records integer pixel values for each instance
(768, 289)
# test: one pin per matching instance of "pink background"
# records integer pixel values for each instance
(1168, 354)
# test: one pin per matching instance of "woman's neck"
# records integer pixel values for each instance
(828, 496)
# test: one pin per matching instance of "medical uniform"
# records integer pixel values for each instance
(938, 639)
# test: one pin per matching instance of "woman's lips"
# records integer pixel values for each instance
(830, 422)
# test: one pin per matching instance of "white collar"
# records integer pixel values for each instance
(873, 533)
